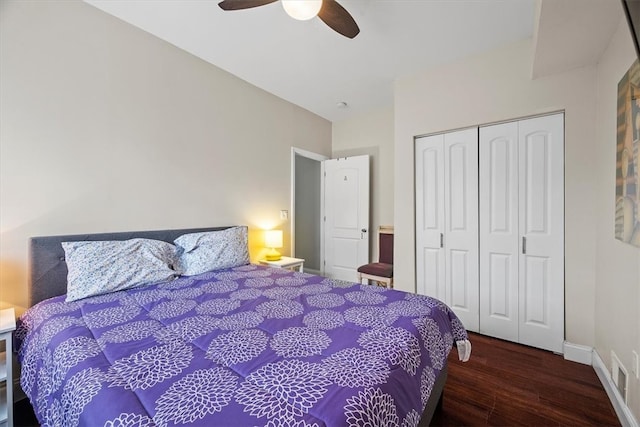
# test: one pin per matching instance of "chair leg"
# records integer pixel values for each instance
(382, 283)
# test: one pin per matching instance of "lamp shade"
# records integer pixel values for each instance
(302, 10)
(273, 238)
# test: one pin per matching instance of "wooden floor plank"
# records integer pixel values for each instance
(507, 384)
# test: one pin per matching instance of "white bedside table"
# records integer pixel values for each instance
(7, 326)
(285, 262)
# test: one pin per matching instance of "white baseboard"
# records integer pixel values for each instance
(578, 353)
(312, 271)
(622, 410)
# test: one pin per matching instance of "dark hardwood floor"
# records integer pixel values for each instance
(504, 384)
(23, 414)
(507, 384)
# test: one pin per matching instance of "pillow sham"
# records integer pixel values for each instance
(212, 250)
(101, 267)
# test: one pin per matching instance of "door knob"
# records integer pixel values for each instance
(364, 230)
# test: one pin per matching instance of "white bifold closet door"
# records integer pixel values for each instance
(499, 232)
(522, 231)
(447, 221)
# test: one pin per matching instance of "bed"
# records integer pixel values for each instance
(241, 346)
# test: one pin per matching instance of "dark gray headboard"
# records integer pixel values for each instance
(48, 269)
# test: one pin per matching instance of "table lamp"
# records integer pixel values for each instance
(273, 240)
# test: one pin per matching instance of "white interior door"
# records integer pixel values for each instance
(430, 254)
(499, 232)
(541, 293)
(346, 218)
(461, 225)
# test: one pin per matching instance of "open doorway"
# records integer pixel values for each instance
(306, 208)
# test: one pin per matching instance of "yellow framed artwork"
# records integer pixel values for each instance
(627, 227)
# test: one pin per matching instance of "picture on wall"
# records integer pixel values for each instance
(627, 163)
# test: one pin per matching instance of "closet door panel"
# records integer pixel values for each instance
(535, 183)
(499, 231)
(457, 191)
(536, 290)
(500, 269)
(541, 205)
(461, 225)
(430, 267)
(430, 216)
(458, 272)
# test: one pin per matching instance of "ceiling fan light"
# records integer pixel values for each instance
(302, 10)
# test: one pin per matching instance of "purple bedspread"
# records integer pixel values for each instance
(247, 346)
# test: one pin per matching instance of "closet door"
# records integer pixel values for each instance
(541, 293)
(430, 263)
(499, 232)
(522, 231)
(461, 225)
(447, 221)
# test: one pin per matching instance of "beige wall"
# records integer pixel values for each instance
(493, 87)
(617, 308)
(603, 274)
(371, 133)
(107, 128)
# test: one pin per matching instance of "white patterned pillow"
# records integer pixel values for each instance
(212, 250)
(101, 267)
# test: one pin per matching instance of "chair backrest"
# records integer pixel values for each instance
(385, 244)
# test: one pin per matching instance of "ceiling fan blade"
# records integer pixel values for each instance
(242, 4)
(338, 18)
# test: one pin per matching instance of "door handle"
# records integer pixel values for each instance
(442, 240)
(362, 233)
(524, 245)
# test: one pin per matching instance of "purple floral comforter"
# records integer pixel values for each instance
(247, 346)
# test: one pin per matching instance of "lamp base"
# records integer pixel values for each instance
(273, 255)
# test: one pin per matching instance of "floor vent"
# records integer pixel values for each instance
(619, 376)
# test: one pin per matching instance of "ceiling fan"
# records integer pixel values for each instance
(331, 13)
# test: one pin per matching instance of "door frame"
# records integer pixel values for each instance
(292, 207)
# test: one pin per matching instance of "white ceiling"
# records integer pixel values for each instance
(310, 65)
(573, 33)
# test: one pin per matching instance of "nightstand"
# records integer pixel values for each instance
(7, 326)
(285, 262)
